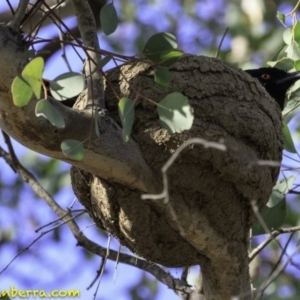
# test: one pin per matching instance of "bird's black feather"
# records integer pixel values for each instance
(275, 81)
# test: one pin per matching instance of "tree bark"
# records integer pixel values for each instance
(210, 190)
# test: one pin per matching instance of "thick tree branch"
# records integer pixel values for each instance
(161, 275)
(105, 155)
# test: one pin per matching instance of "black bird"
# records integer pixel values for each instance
(275, 81)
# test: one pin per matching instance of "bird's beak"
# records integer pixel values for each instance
(290, 78)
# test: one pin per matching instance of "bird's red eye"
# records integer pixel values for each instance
(266, 76)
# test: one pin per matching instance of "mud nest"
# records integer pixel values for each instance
(210, 190)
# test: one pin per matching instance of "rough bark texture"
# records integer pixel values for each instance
(210, 190)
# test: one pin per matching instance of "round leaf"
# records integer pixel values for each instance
(175, 113)
(32, 73)
(292, 51)
(21, 91)
(67, 85)
(274, 213)
(108, 18)
(296, 31)
(281, 188)
(274, 217)
(162, 76)
(72, 149)
(126, 112)
(287, 36)
(159, 45)
(45, 109)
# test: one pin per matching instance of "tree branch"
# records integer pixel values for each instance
(105, 155)
(161, 275)
(88, 30)
(19, 15)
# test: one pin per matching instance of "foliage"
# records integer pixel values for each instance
(198, 28)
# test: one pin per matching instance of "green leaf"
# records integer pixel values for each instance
(170, 57)
(292, 51)
(175, 113)
(274, 213)
(104, 61)
(287, 138)
(72, 149)
(126, 112)
(297, 64)
(21, 91)
(287, 36)
(108, 19)
(281, 17)
(274, 217)
(296, 31)
(281, 188)
(32, 73)
(162, 76)
(284, 64)
(159, 45)
(67, 85)
(45, 109)
(5, 297)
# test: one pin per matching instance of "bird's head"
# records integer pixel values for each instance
(275, 81)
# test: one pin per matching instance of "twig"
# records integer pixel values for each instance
(272, 236)
(89, 245)
(10, 149)
(168, 164)
(275, 275)
(221, 42)
(116, 264)
(88, 31)
(103, 265)
(10, 7)
(19, 15)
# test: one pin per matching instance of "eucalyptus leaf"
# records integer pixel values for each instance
(281, 17)
(45, 109)
(292, 51)
(21, 92)
(32, 73)
(159, 45)
(281, 188)
(67, 85)
(273, 217)
(175, 113)
(162, 76)
(126, 112)
(287, 138)
(73, 149)
(108, 18)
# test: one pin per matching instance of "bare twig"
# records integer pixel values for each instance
(272, 236)
(221, 42)
(89, 245)
(275, 274)
(10, 7)
(165, 193)
(101, 271)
